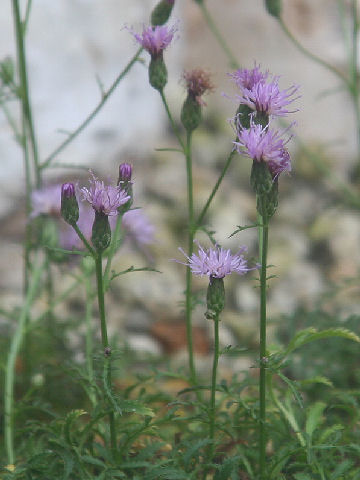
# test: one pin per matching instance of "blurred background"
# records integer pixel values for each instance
(74, 45)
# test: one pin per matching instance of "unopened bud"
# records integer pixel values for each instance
(266, 189)
(69, 204)
(215, 298)
(157, 73)
(191, 113)
(125, 174)
(101, 232)
(274, 7)
(162, 12)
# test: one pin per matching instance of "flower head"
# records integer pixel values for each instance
(217, 262)
(104, 198)
(197, 83)
(261, 92)
(264, 145)
(125, 172)
(245, 78)
(155, 39)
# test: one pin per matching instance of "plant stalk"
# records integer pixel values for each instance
(213, 388)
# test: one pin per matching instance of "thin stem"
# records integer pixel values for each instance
(105, 96)
(262, 381)
(24, 89)
(354, 70)
(112, 250)
(89, 344)
(83, 239)
(105, 343)
(11, 360)
(188, 292)
(27, 15)
(310, 55)
(214, 190)
(216, 32)
(213, 387)
(174, 127)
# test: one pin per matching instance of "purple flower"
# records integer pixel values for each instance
(245, 78)
(155, 39)
(104, 198)
(125, 172)
(264, 145)
(138, 227)
(216, 262)
(261, 92)
(67, 190)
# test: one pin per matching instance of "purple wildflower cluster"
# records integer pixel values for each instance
(260, 92)
(155, 39)
(217, 262)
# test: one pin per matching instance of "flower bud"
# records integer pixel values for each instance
(191, 114)
(157, 73)
(69, 204)
(274, 7)
(101, 232)
(125, 173)
(266, 189)
(162, 12)
(215, 298)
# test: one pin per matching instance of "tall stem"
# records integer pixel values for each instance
(170, 117)
(24, 89)
(11, 360)
(105, 342)
(262, 382)
(115, 238)
(213, 387)
(188, 292)
(354, 71)
(89, 346)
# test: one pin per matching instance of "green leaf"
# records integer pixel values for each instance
(316, 379)
(245, 227)
(70, 418)
(133, 406)
(314, 417)
(293, 387)
(310, 334)
(330, 431)
(302, 476)
(133, 269)
(194, 449)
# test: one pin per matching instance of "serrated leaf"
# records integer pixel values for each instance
(342, 468)
(70, 418)
(293, 388)
(311, 334)
(330, 431)
(245, 227)
(314, 417)
(194, 448)
(133, 406)
(93, 461)
(316, 379)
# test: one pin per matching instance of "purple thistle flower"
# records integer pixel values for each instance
(245, 78)
(155, 39)
(104, 198)
(261, 92)
(264, 145)
(125, 172)
(267, 98)
(216, 262)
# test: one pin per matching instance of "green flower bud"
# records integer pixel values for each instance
(215, 298)
(274, 7)
(101, 232)
(162, 12)
(157, 73)
(261, 179)
(191, 114)
(69, 204)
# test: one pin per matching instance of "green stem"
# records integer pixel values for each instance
(216, 32)
(89, 344)
(174, 127)
(354, 71)
(11, 360)
(83, 239)
(114, 245)
(188, 292)
(214, 190)
(105, 96)
(213, 388)
(105, 343)
(24, 89)
(262, 381)
(310, 55)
